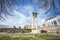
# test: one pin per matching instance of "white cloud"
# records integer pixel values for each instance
(20, 19)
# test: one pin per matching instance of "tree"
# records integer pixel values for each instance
(14, 29)
(19, 29)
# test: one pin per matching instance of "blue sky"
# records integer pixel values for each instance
(23, 13)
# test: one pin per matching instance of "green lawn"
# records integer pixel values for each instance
(36, 37)
(48, 37)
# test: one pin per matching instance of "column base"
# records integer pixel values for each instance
(35, 31)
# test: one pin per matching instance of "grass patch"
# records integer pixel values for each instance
(37, 37)
(47, 37)
(5, 38)
(16, 38)
(24, 38)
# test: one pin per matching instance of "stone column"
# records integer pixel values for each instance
(34, 23)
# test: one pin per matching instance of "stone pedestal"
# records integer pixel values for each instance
(35, 31)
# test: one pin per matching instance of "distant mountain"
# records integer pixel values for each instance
(5, 26)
